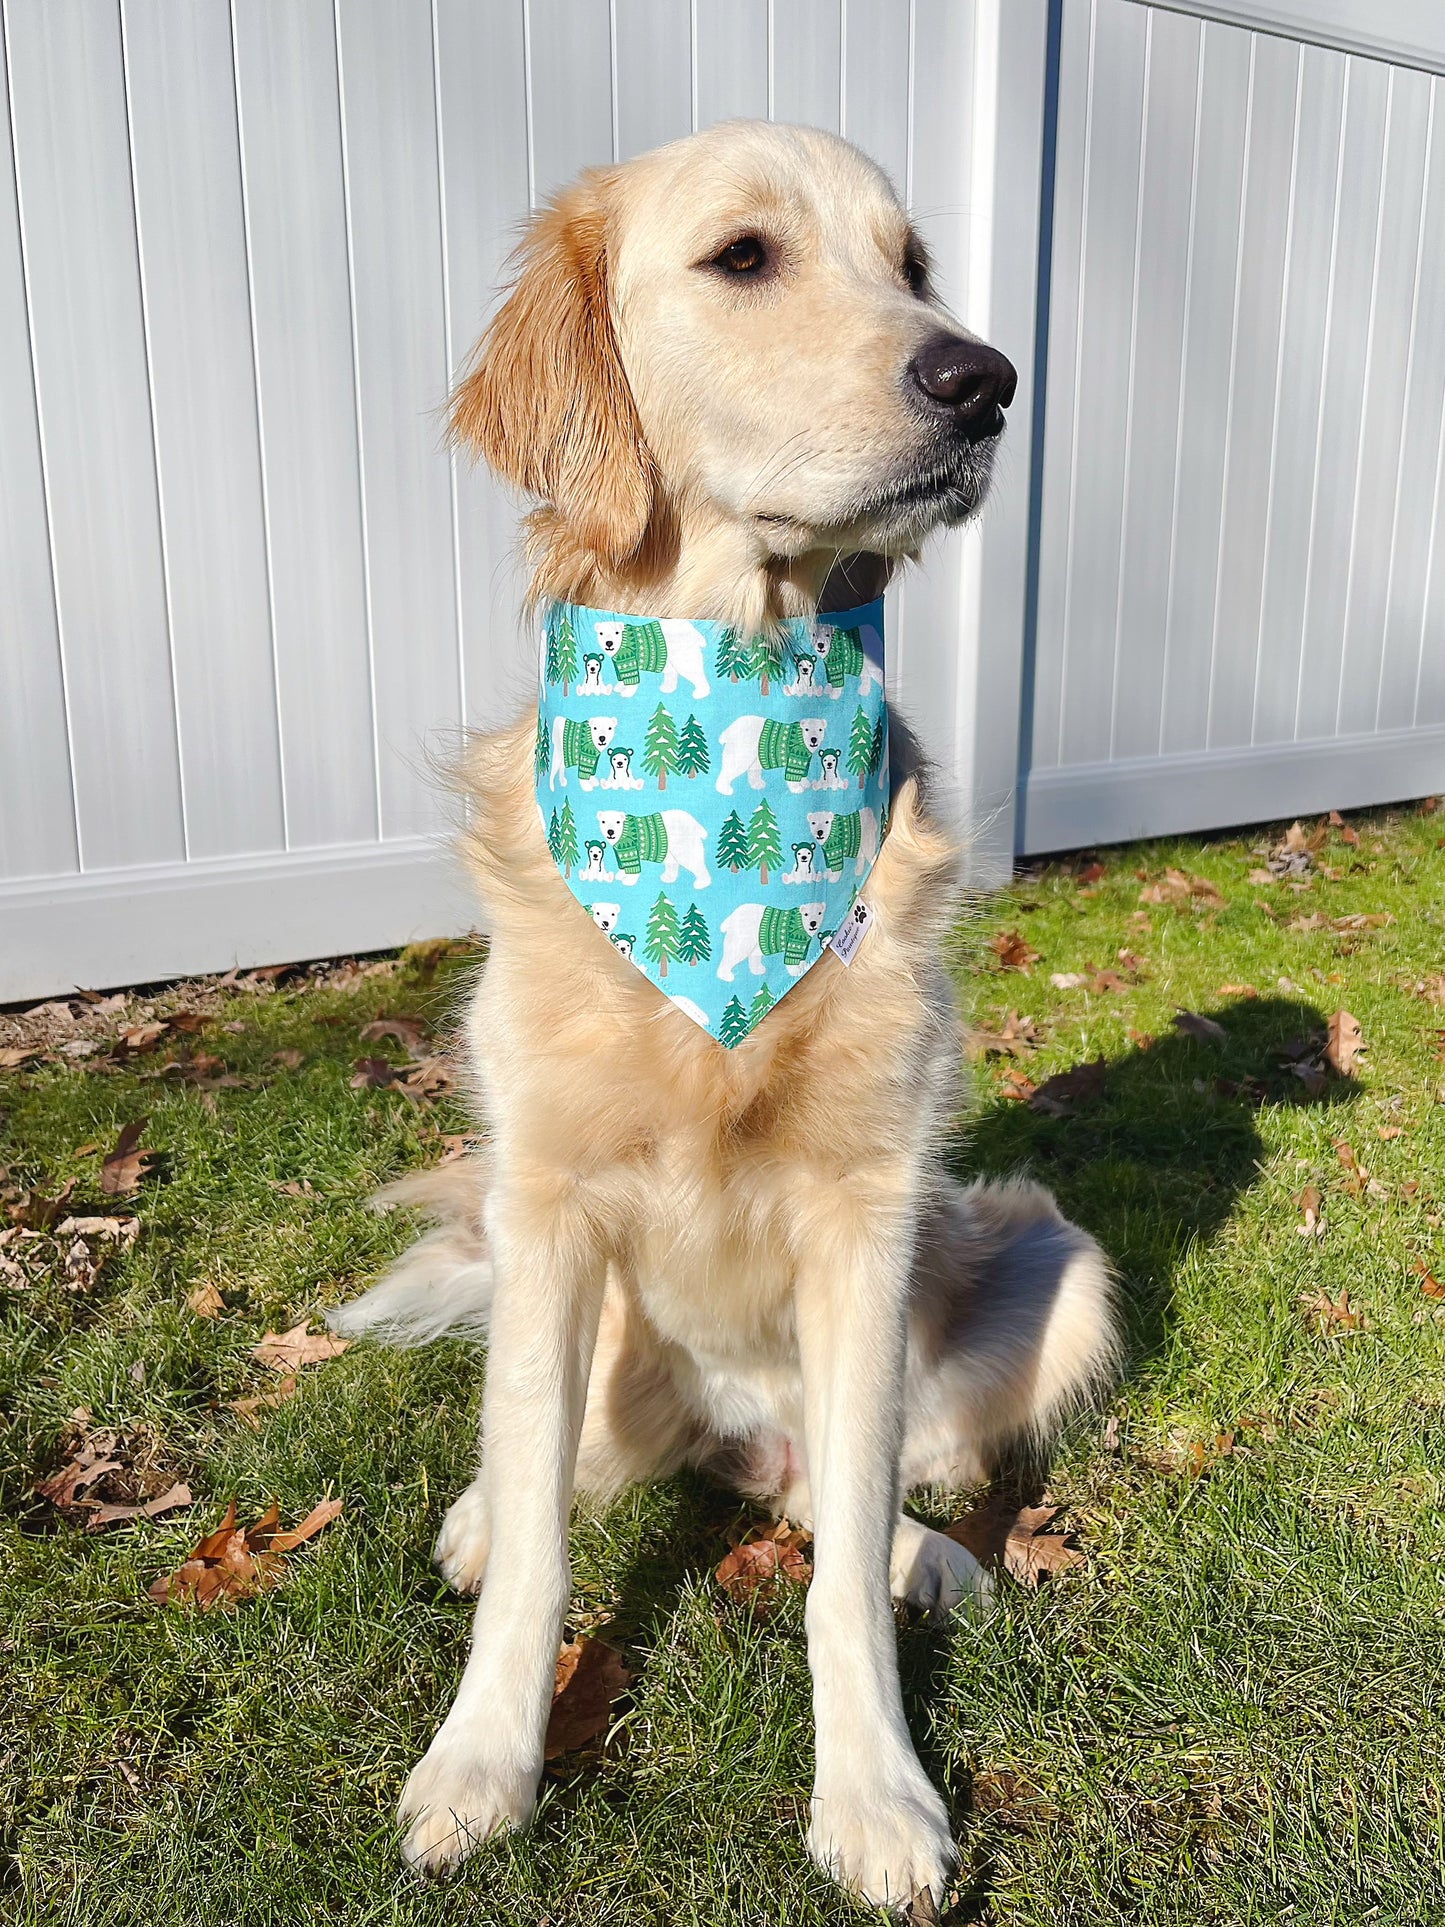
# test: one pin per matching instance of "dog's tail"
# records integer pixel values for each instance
(442, 1285)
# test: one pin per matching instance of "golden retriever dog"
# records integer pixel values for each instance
(724, 378)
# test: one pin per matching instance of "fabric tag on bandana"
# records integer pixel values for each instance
(744, 786)
(849, 935)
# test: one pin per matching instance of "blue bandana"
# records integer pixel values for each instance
(743, 786)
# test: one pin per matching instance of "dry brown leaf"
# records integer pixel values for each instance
(125, 1165)
(12, 1056)
(1179, 888)
(998, 1534)
(754, 1571)
(168, 1501)
(1014, 1037)
(1311, 1204)
(1205, 1029)
(1430, 1285)
(1091, 873)
(205, 1301)
(1013, 951)
(1017, 1084)
(288, 1351)
(92, 1459)
(120, 1230)
(373, 1074)
(1328, 1314)
(590, 1679)
(231, 1564)
(1344, 1044)
(247, 1408)
(289, 1060)
(1386, 1131)
(139, 1038)
(409, 1031)
(37, 1213)
(1057, 1095)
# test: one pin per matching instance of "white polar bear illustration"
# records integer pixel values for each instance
(580, 746)
(843, 836)
(605, 916)
(804, 870)
(596, 855)
(755, 743)
(591, 684)
(669, 837)
(672, 646)
(621, 777)
(690, 1009)
(756, 930)
(848, 659)
(830, 779)
(802, 683)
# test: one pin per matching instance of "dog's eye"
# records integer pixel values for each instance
(746, 255)
(915, 270)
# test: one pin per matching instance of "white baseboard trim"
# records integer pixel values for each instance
(109, 928)
(1067, 809)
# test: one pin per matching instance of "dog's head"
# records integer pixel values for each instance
(737, 332)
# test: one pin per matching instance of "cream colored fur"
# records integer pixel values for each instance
(746, 1259)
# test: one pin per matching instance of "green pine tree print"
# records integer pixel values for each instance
(732, 844)
(561, 650)
(693, 758)
(860, 746)
(761, 663)
(694, 945)
(764, 846)
(875, 754)
(663, 935)
(541, 755)
(566, 850)
(733, 656)
(733, 1024)
(554, 839)
(659, 747)
(760, 1007)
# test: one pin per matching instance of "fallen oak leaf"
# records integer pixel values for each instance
(168, 1501)
(1430, 1285)
(754, 1570)
(123, 1231)
(1328, 1314)
(590, 1678)
(205, 1301)
(319, 1516)
(408, 1031)
(373, 1074)
(1311, 1204)
(998, 1534)
(1345, 1042)
(1013, 951)
(1205, 1029)
(247, 1408)
(1082, 1084)
(125, 1165)
(289, 1350)
(229, 1565)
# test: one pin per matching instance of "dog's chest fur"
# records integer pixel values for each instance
(710, 1176)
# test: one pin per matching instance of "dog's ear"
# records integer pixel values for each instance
(546, 399)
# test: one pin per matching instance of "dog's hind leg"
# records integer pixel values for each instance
(1011, 1323)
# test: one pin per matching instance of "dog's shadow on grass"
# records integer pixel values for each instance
(1153, 1165)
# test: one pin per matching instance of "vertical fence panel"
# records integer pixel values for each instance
(37, 808)
(807, 47)
(300, 291)
(480, 77)
(388, 106)
(572, 89)
(181, 84)
(654, 73)
(67, 90)
(732, 60)
(876, 49)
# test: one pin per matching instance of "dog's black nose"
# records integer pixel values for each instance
(967, 380)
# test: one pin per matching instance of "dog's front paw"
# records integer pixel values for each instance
(935, 1574)
(883, 1844)
(454, 1800)
(464, 1541)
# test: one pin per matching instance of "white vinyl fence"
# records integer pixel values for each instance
(247, 601)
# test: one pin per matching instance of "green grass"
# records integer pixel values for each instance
(1233, 1713)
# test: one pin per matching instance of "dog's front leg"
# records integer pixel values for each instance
(878, 1825)
(481, 1771)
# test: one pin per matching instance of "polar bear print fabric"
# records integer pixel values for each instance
(746, 868)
